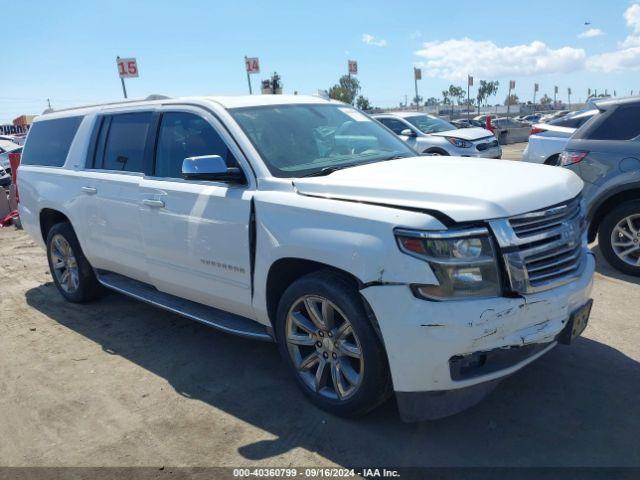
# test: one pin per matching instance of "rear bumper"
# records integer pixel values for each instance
(427, 342)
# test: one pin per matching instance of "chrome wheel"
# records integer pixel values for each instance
(625, 240)
(64, 264)
(324, 347)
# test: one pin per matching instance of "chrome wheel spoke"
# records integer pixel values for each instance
(321, 374)
(349, 349)
(301, 340)
(344, 331)
(311, 304)
(348, 372)
(622, 244)
(626, 252)
(303, 322)
(337, 380)
(622, 232)
(632, 229)
(328, 315)
(309, 361)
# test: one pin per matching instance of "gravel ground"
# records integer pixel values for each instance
(120, 383)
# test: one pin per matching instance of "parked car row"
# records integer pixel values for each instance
(602, 146)
(432, 135)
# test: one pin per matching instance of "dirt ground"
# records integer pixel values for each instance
(120, 383)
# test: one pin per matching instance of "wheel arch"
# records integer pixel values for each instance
(48, 218)
(284, 271)
(438, 150)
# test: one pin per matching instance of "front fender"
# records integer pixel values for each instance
(352, 237)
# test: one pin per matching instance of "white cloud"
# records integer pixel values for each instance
(628, 55)
(632, 16)
(592, 32)
(455, 58)
(630, 41)
(627, 59)
(371, 40)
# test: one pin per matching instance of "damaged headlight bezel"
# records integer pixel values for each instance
(464, 261)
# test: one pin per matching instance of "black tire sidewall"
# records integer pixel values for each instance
(341, 291)
(88, 287)
(604, 235)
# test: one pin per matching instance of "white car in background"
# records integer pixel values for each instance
(547, 140)
(429, 134)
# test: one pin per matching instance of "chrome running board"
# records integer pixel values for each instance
(227, 322)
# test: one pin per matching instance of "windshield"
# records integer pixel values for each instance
(427, 124)
(302, 140)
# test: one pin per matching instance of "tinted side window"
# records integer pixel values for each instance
(622, 124)
(396, 126)
(49, 141)
(184, 135)
(125, 142)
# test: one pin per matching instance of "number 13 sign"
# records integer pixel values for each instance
(127, 67)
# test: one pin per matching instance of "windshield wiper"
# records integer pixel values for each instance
(329, 170)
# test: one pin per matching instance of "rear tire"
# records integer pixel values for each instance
(71, 271)
(328, 342)
(553, 160)
(619, 237)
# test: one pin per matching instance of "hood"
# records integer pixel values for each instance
(464, 189)
(465, 133)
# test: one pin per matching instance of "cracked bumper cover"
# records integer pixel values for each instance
(421, 338)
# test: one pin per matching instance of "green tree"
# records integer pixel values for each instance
(445, 97)
(546, 100)
(486, 90)
(456, 92)
(512, 99)
(345, 90)
(417, 100)
(363, 103)
(431, 102)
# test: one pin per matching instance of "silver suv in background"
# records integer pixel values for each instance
(605, 153)
(429, 134)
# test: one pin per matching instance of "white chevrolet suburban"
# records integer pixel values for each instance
(303, 221)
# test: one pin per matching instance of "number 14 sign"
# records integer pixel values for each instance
(127, 67)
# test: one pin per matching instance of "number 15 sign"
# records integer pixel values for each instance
(127, 67)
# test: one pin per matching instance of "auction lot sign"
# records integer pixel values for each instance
(127, 67)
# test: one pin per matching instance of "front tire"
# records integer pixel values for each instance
(71, 271)
(619, 237)
(328, 342)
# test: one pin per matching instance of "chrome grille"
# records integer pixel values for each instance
(543, 249)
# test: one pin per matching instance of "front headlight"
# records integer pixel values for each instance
(460, 143)
(464, 262)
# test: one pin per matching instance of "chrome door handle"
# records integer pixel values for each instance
(89, 190)
(153, 203)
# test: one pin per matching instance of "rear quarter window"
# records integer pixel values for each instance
(623, 123)
(49, 141)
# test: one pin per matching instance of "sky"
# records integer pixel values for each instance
(65, 50)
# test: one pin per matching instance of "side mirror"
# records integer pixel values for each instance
(212, 168)
(407, 132)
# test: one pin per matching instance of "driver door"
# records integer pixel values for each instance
(196, 233)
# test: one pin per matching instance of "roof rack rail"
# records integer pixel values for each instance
(106, 104)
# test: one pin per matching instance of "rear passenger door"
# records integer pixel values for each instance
(121, 159)
(196, 233)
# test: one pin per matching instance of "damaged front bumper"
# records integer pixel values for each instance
(446, 356)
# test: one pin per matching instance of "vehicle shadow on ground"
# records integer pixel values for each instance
(577, 405)
(604, 268)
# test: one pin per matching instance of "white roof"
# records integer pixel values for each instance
(260, 100)
(404, 114)
(224, 101)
